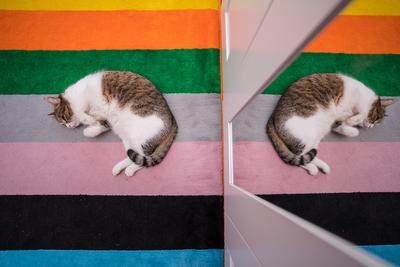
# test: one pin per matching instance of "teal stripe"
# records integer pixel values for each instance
(379, 72)
(391, 253)
(111, 258)
(50, 72)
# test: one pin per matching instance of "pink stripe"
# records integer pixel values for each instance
(190, 168)
(355, 167)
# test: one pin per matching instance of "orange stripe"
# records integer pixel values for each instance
(82, 30)
(359, 35)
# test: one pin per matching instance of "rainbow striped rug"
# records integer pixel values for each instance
(359, 200)
(59, 203)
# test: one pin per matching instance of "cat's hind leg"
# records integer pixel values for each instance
(127, 164)
(120, 166)
(132, 169)
(311, 168)
(321, 165)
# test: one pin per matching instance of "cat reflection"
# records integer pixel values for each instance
(315, 105)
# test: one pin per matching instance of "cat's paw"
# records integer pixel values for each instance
(120, 166)
(89, 121)
(131, 170)
(91, 131)
(355, 120)
(367, 124)
(313, 170)
(351, 132)
(72, 124)
(116, 170)
(347, 130)
(324, 168)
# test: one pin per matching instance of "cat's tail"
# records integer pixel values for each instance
(159, 153)
(284, 152)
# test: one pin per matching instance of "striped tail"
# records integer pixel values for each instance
(284, 152)
(159, 153)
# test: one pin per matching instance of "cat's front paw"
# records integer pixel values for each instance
(91, 131)
(89, 120)
(86, 119)
(367, 124)
(72, 124)
(355, 120)
(351, 132)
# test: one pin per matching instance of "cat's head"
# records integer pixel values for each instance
(63, 112)
(378, 111)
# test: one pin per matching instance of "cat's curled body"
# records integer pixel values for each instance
(315, 105)
(127, 103)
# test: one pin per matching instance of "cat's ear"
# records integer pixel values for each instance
(388, 101)
(53, 99)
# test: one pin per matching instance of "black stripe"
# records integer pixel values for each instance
(362, 218)
(111, 222)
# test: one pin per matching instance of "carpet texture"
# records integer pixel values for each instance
(62, 206)
(359, 200)
(173, 71)
(379, 72)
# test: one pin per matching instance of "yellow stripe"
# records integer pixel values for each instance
(373, 8)
(107, 4)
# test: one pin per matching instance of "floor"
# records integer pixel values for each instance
(59, 203)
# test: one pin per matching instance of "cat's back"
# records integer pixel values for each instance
(354, 88)
(132, 90)
(124, 86)
(138, 111)
(307, 94)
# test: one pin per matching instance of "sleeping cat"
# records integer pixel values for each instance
(315, 105)
(127, 103)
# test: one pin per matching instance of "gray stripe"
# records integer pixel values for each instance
(250, 124)
(24, 119)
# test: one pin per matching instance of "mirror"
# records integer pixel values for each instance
(359, 199)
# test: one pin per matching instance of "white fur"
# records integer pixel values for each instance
(89, 106)
(311, 130)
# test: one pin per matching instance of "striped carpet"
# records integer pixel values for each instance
(360, 199)
(59, 203)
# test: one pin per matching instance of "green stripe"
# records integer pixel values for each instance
(379, 72)
(50, 72)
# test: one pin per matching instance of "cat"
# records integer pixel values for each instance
(130, 105)
(312, 107)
